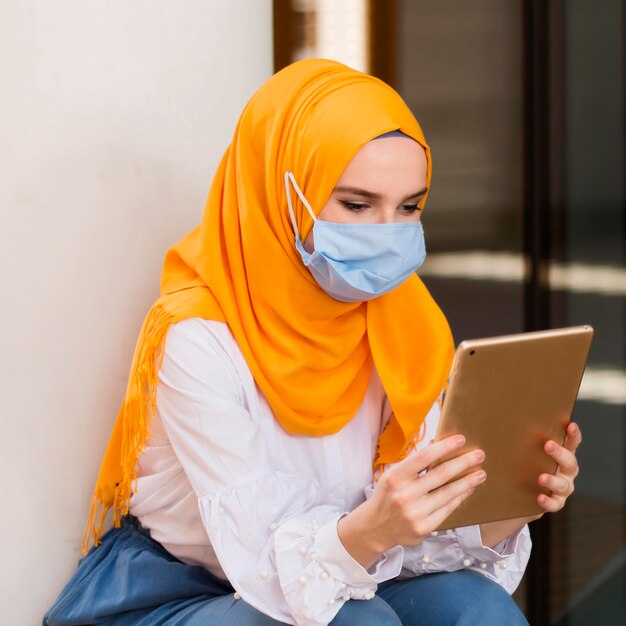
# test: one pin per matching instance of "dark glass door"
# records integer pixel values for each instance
(523, 105)
(587, 284)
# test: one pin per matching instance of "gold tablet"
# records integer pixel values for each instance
(508, 396)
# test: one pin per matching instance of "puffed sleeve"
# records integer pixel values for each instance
(462, 548)
(276, 543)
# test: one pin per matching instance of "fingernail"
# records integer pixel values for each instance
(459, 440)
(479, 455)
(574, 429)
(481, 476)
(551, 447)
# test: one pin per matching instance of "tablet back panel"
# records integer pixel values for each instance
(508, 396)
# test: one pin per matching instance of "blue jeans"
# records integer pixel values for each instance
(132, 580)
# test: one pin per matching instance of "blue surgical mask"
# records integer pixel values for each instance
(358, 262)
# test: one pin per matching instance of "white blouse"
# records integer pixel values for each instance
(222, 485)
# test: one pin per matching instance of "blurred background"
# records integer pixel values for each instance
(522, 103)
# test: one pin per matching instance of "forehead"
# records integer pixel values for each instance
(388, 158)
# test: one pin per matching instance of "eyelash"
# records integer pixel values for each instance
(357, 207)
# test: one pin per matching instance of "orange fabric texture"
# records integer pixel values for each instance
(310, 355)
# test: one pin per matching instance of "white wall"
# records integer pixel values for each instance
(113, 115)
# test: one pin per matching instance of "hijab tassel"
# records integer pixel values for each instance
(132, 428)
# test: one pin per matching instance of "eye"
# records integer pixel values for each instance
(354, 206)
(410, 208)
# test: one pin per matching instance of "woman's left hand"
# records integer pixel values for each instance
(561, 483)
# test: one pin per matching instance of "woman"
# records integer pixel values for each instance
(272, 444)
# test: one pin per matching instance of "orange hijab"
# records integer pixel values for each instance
(310, 355)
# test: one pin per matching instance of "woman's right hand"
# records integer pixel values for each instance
(405, 507)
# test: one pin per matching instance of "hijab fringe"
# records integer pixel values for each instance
(379, 464)
(137, 409)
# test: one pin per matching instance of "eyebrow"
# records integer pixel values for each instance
(372, 194)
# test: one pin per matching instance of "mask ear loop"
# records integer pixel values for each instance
(289, 179)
